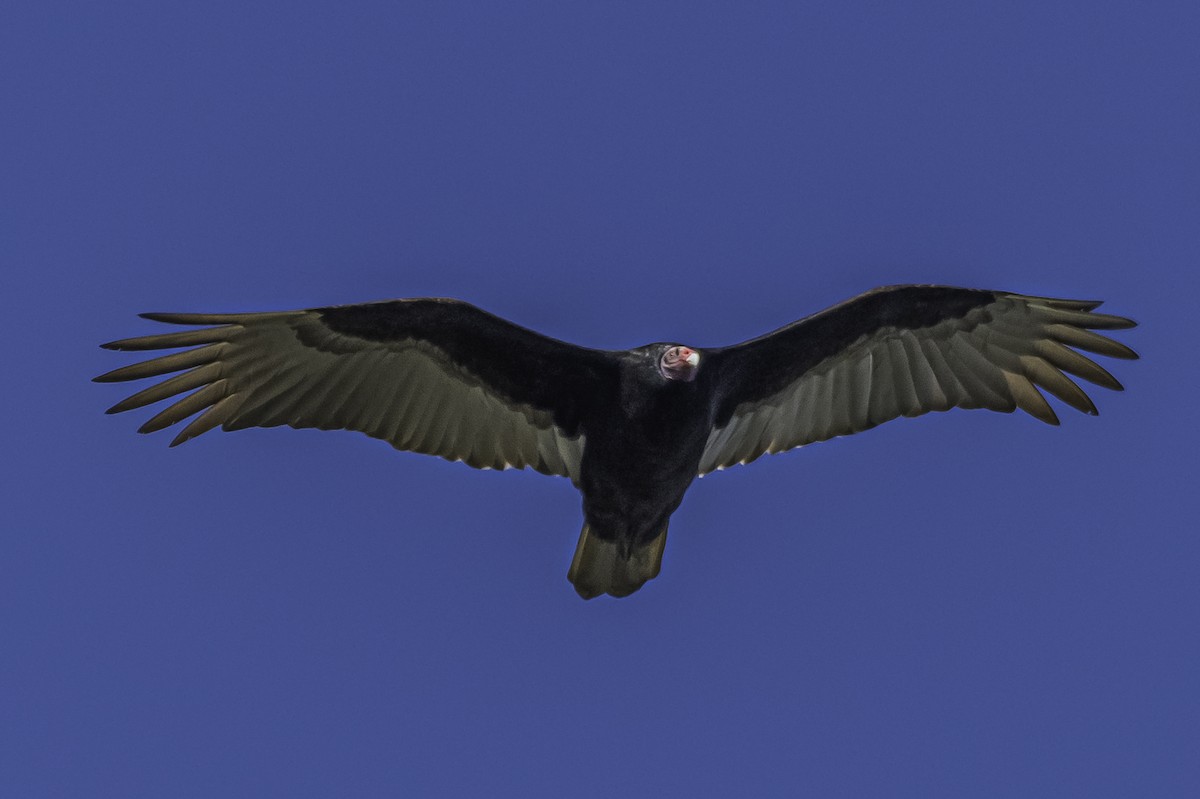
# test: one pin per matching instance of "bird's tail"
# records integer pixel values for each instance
(607, 567)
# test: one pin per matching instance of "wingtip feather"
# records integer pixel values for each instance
(196, 318)
(168, 318)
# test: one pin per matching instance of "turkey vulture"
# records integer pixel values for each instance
(631, 429)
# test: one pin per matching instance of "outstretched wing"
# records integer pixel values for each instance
(903, 351)
(436, 376)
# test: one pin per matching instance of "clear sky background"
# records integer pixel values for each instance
(965, 604)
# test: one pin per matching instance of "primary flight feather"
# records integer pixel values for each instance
(631, 429)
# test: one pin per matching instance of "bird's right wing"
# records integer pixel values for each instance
(440, 377)
(903, 351)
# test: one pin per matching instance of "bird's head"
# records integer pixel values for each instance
(679, 363)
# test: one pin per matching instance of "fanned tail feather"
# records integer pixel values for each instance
(600, 567)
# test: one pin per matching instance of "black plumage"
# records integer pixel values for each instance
(631, 429)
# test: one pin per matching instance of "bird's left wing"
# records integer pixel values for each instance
(903, 351)
(440, 377)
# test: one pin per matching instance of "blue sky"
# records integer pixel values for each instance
(965, 604)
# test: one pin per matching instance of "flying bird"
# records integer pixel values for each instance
(631, 429)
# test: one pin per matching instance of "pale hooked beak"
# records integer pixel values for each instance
(692, 358)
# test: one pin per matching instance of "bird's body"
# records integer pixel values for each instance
(634, 477)
(632, 429)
